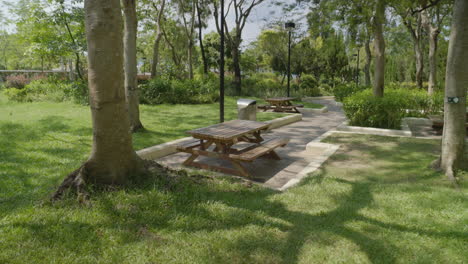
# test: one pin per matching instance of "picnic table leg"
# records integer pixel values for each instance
(240, 168)
(190, 160)
(273, 155)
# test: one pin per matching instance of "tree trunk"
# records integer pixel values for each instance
(112, 160)
(237, 69)
(200, 39)
(433, 32)
(453, 155)
(157, 40)
(190, 59)
(130, 64)
(419, 62)
(154, 65)
(379, 49)
(368, 63)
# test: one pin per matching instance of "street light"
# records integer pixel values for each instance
(289, 26)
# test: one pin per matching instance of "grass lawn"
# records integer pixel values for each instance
(375, 201)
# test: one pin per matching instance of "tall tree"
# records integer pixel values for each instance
(432, 20)
(202, 13)
(453, 154)
(130, 64)
(112, 160)
(159, 34)
(242, 10)
(413, 22)
(188, 7)
(379, 48)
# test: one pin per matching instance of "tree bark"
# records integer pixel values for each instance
(190, 59)
(433, 33)
(157, 40)
(112, 160)
(154, 65)
(368, 63)
(200, 39)
(237, 69)
(379, 48)
(130, 64)
(416, 37)
(453, 155)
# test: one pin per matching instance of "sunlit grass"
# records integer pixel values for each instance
(375, 201)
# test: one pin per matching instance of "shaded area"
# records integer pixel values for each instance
(394, 210)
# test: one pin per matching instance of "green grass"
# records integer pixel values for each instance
(375, 201)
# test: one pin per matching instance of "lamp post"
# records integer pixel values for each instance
(221, 65)
(289, 26)
(144, 65)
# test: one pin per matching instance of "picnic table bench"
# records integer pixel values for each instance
(219, 141)
(281, 104)
(438, 122)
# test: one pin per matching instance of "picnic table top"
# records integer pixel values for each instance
(279, 99)
(229, 130)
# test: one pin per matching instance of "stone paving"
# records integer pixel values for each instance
(295, 157)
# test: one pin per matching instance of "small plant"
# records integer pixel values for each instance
(16, 81)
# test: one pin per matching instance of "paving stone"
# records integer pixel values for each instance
(295, 157)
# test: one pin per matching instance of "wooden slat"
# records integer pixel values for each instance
(228, 130)
(260, 150)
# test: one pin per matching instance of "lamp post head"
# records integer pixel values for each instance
(289, 26)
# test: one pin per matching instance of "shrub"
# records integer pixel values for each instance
(344, 90)
(158, 91)
(16, 81)
(15, 94)
(364, 109)
(47, 90)
(309, 86)
(77, 92)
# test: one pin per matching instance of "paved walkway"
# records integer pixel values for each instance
(275, 173)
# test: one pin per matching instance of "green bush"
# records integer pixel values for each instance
(15, 94)
(77, 92)
(344, 90)
(16, 81)
(308, 86)
(364, 109)
(49, 90)
(197, 91)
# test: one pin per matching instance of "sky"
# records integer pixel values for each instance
(260, 16)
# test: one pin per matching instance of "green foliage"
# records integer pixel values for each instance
(364, 109)
(16, 81)
(309, 85)
(344, 90)
(49, 90)
(197, 91)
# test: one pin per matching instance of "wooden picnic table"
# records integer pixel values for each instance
(281, 104)
(438, 123)
(217, 141)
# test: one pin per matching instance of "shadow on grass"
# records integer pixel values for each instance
(126, 213)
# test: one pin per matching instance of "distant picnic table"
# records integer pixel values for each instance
(218, 141)
(281, 104)
(438, 122)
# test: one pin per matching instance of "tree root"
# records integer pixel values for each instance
(137, 128)
(449, 172)
(76, 181)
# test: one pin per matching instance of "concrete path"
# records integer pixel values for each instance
(273, 173)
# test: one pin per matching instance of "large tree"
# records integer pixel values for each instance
(242, 10)
(453, 154)
(112, 160)
(379, 48)
(159, 15)
(130, 57)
